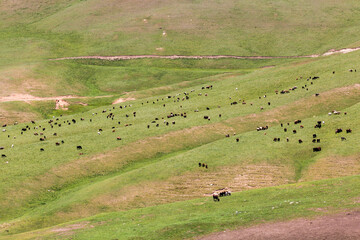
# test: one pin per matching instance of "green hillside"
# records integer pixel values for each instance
(96, 169)
(31, 32)
(156, 165)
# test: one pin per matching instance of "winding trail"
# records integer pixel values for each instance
(129, 57)
(28, 98)
(330, 227)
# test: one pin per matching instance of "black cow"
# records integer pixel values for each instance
(317, 149)
(343, 139)
(294, 131)
(300, 141)
(78, 147)
(314, 135)
(348, 130)
(297, 121)
(237, 140)
(339, 130)
(3, 155)
(41, 149)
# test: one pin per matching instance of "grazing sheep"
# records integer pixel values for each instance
(216, 197)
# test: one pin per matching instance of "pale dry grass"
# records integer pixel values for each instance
(333, 167)
(187, 186)
(10, 115)
(20, 80)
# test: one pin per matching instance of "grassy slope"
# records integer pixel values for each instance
(56, 187)
(202, 216)
(31, 33)
(74, 190)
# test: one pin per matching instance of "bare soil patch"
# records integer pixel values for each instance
(28, 98)
(333, 227)
(121, 100)
(61, 104)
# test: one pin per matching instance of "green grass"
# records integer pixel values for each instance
(202, 216)
(121, 180)
(32, 32)
(112, 166)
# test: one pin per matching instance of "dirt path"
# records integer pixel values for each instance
(340, 226)
(28, 98)
(128, 57)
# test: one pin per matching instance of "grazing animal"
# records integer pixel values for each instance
(118, 138)
(78, 147)
(262, 128)
(3, 155)
(57, 144)
(297, 121)
(317, 149)
(343, 138)
(294, 131)
(339, 130)
(300, 141)
(237, 140)
(314, 135)
(199, 164)
(216, 197)
(285, 129)
(41, 150)
(348, 130)
(318, 140)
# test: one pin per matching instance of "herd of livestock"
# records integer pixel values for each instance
(46, 129)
